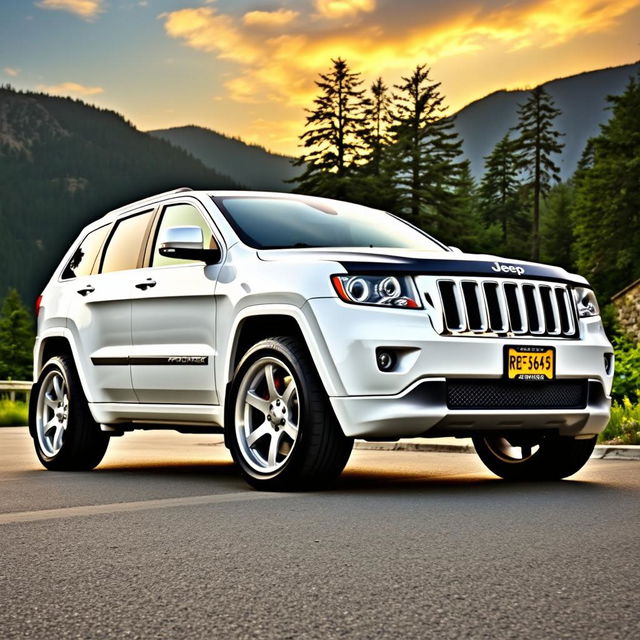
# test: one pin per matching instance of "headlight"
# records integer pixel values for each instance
(586, 302)
(388, 291)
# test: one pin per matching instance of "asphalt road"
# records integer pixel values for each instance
(164, 540)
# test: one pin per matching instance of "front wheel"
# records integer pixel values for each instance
(281, 430)
(65, 435)
(542, 457)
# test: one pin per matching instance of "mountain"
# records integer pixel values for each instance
(64, 163)
(581, 98)
(249, 164)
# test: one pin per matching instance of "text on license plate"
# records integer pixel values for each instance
(530, 363)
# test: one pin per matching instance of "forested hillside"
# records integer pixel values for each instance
(64, 163)
(582, 100)
(248, 164)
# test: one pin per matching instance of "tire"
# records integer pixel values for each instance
(276, 393)
(65, 435)
(543, 457)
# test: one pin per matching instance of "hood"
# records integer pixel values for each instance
(405, 261)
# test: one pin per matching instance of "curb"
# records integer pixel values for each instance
(621, 452)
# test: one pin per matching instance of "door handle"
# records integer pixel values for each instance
(147, 284)
(88, 289)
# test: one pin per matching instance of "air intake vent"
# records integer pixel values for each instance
(500, 394)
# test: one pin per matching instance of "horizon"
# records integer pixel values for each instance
(261, 57)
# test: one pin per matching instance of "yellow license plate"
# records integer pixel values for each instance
(530, 363)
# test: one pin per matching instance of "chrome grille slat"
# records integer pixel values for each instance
(498, 307)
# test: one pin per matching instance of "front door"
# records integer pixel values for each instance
(173, 319)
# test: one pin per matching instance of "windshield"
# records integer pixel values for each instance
(298, 222)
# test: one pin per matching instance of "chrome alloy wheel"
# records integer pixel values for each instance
(52, 413)
(512, 450)
(267, 415)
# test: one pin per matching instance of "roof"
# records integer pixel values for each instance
(622, 292)
(187, 190)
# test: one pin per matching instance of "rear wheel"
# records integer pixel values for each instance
(65, 435)
(542, 457)
(280, 428)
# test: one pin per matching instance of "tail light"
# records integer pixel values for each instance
(38, 303)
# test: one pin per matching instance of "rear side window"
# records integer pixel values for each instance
(124, 245)
(82, 261)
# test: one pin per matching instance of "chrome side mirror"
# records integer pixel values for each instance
(186, 243)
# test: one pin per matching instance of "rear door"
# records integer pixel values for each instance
(173, 317)
(100, 309)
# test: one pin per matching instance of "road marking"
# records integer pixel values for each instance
(142, 505)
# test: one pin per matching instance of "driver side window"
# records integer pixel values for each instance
(180, 215)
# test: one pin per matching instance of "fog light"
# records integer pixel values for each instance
(386, 360)
(608, 363)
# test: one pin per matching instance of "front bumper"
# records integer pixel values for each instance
(422, 411)
(410, 400)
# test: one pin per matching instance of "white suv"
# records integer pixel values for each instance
(294, 324)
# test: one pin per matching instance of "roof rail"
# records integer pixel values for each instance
(114, 212)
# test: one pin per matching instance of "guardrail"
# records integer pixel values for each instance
(16, 386)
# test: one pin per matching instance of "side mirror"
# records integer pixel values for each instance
(186, 243)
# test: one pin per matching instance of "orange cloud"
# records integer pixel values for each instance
(87, 9)
(283, 68)
(11, 72)
(277, 18)
(343, 8)
(70, 88)
(206, 29)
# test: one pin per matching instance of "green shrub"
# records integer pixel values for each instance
(626, 382)
(13, 414)
(624, 425)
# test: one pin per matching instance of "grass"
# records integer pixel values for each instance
(624, 425)
(13, 414)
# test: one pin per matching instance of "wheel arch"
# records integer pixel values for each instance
(55, 343)
(265, 321)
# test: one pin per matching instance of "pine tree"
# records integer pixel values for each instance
(377, 120)
(499, 189)
(606, 212)
(16, 339)
(556, 227)
(425, 151)
(535, 144)
(470, 233)
(333, 133)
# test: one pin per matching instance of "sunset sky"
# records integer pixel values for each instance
(247, 67)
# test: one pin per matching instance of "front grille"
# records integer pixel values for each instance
(500, 394)
(494, 307)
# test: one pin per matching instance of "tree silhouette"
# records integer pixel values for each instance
(499, 187)
(16, 339)
(535, 143)
(333, 133)
(606, 212)
(426, 149)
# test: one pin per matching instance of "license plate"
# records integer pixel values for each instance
(530, 363)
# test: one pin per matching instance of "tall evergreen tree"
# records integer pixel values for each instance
(426, 149)
(16, 339)
(606, 212)
(377, 120)
(332, 139)
(499, 188)
(536, 142)
(556, 228)
(470, 233)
